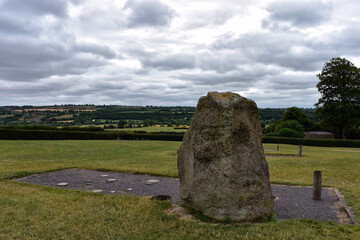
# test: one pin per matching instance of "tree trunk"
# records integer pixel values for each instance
(343, 136)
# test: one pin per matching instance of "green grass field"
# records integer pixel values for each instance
(37, 212)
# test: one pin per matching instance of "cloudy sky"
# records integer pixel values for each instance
(167, 52)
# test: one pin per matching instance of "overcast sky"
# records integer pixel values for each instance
(157, 52)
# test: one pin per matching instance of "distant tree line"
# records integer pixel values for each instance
(110, 115)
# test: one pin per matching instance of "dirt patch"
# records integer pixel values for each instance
(183, 213)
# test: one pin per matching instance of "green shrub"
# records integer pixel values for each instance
(290, 124)
(31, 127)
(86, 129)
(353, 133)
(287, 132)
(16, 134)
(313, 142)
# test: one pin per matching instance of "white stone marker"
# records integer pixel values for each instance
(62, 184)
(152, 181)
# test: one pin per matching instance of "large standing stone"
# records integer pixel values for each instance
(222, 167)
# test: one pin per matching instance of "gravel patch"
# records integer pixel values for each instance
(291, 202)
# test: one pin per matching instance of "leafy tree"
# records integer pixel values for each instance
(291, 124)
(339, 105)
(296, 114)
(121, 124)
(148, 122)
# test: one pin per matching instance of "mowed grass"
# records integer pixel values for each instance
(37, 212)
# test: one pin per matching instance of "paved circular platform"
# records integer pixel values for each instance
(291, 202)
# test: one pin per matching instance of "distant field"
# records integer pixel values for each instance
(5, 116)
(66, 116)
(37, 212)
(150, 129)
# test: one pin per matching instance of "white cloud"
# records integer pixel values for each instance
(163, 52)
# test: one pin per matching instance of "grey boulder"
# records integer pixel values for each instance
(221, 163)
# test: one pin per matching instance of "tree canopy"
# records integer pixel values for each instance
(339, 105)
(293, 124)
(295, 113)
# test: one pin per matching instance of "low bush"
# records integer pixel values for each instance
(86, 129)
(31, 127)
(287, 132)
(289, 124)
(313, 142)
(18, 134)
(53, 128)
(353, 133)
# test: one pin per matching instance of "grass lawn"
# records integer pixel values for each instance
(37, 212)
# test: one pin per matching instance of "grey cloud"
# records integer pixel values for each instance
(148, 13)
(288, 50)
(170, 62)
(285, 98)
(299, 13)
(137, 49)
(30, 59)
(242, 77)
(290, 81)
(216, 17)
(345, 41)
(220, 61)
(51, 56)
(37, 7)
(11, 25)
(95, 49)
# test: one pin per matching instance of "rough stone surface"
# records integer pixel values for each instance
(222, 167)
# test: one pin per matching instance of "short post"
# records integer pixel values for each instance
(300, 150)
(317, 185)
(277, 147)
